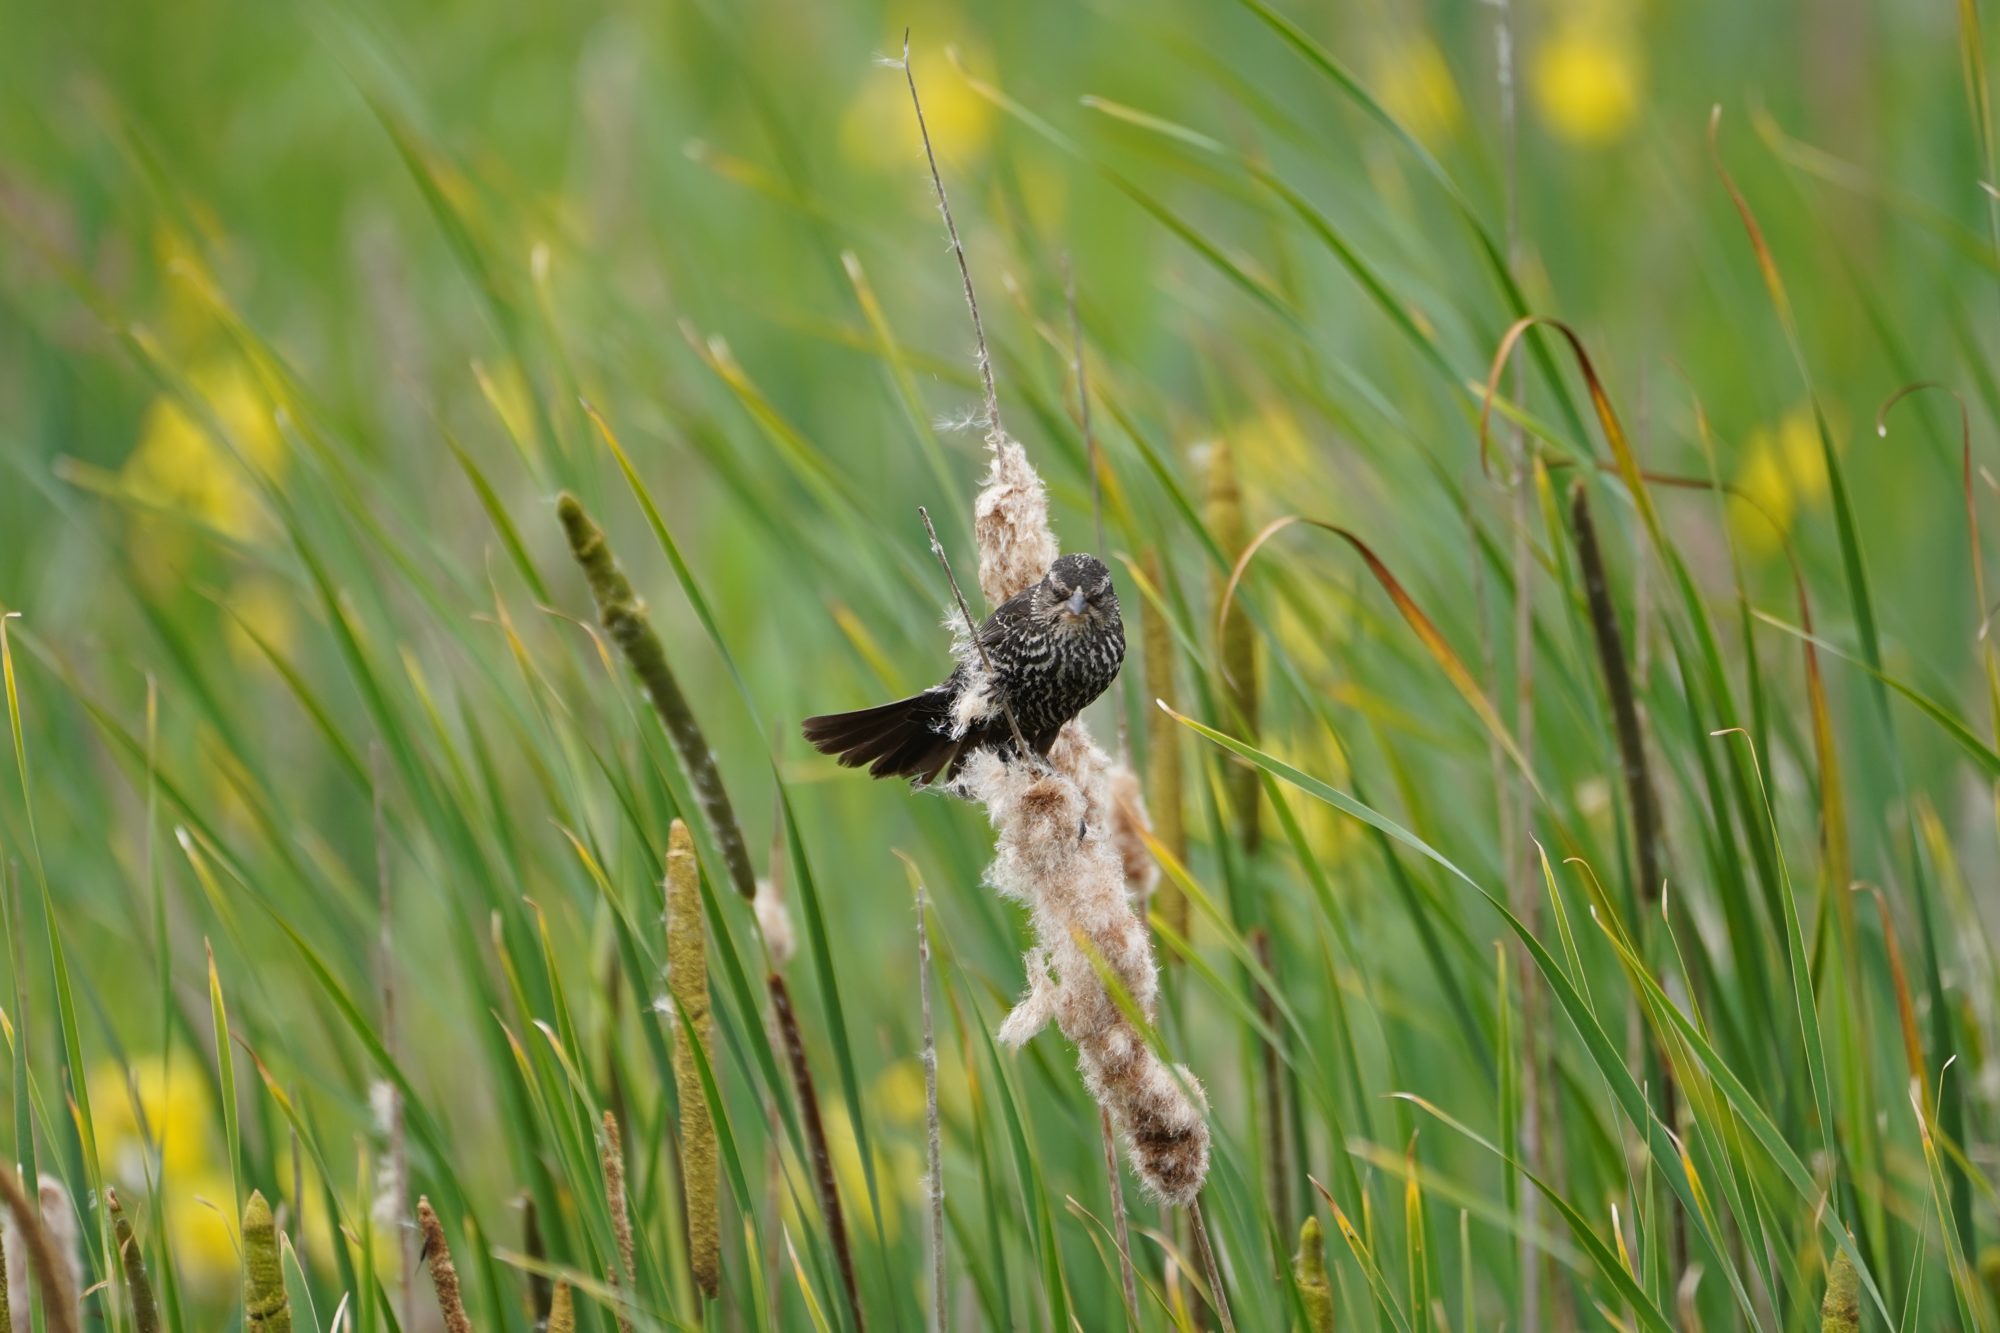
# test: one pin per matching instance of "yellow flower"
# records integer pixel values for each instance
(1585, 79)
(1783, 473)
(174, 1108)
(179, 465)
(880, 130)
(1414, 84)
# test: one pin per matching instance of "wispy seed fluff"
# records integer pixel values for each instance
(1069, 848)
(1010, 523)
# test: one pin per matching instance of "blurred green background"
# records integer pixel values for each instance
(295, 298)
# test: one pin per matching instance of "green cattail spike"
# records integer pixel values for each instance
(1238, 644)
(624, 618)
(1163, 748)
(266, 1307)
(687, 982)
(1840, 1312)
(1309, 1271)
(138, 1286)
(562, 1310)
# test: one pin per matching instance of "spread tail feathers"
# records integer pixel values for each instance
(909, 738)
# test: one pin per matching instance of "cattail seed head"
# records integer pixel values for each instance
(1238, 645)
(444, 1274)
(687, 981)
(1840, 1311)
(266, 1306)
(1309, 1271)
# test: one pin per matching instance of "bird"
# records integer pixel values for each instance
(1054, 647)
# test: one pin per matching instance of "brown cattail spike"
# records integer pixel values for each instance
(612, 1150)
(687, 982)
(444, 1274)
(138, 1286)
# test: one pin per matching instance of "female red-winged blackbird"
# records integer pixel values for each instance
(1054, 648)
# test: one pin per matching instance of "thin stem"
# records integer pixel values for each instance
(972, 629)
(939, 1309)
(1126, 1277)
(957, 248)
(1208, 1266)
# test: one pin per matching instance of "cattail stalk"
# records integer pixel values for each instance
(1121, 1231)
(267, 1308)
(822, 1157)
(444, 1274)
(138, 1286)
(624, 618)
(940, 1309)
(1210, 1267)
(541, 1297)
(687, 982)
(51, 1273)
(1163, 747)
(611, 1149)
(1309, 1272)
(1238, 646)
(1647, 836)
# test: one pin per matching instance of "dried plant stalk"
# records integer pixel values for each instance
(624, 618)
(138, 1286)
(267, 1308)
(444, 1274)
(687, 982)
(51, 1273)
(611, 1150)
(1238, 645)
(1309, 1272)
(934, 1182)
(815, 1127)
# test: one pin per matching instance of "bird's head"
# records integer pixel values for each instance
(1076, 593)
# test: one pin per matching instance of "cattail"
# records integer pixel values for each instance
(612, 1154)
(562, 1310)
(45, 1256)
(1074, 889)
(624, 618)
(266, 1306)
(815, 1127)
(541, 1299)
(444, 1274)
(1163, 748)
(1309, 1271)
(1840, 1312)
(1055, 852)
(687, 982)
(6, 1304)
(1238, 646)
(1010, 523)
(1130, 828)
(138, 1286)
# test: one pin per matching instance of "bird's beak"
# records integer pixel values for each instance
(1075, 603)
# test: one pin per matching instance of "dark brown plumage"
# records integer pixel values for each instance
(1054, 648)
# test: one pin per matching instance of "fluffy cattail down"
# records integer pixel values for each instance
(1074, 888)
(1010, 523)
(47, 1235)
(1130, 827)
